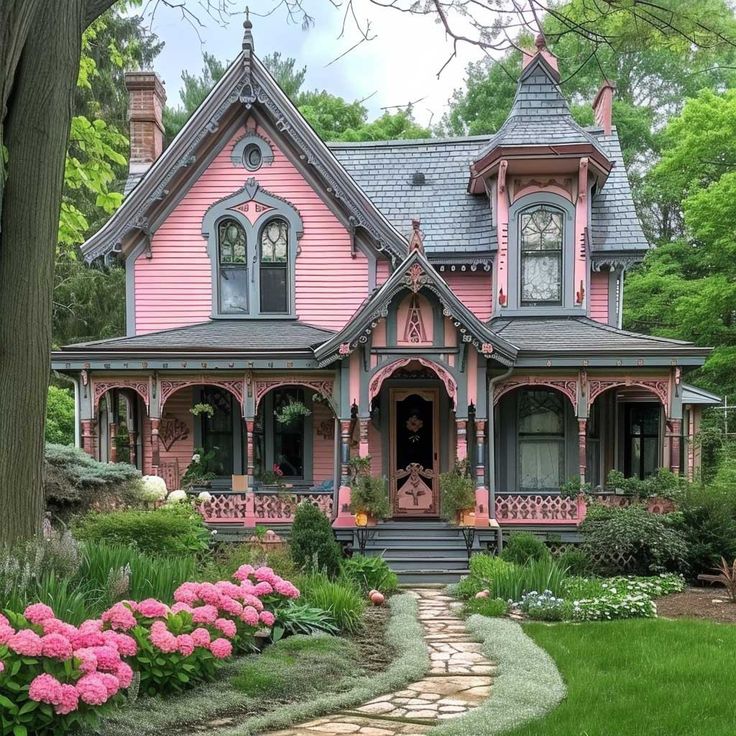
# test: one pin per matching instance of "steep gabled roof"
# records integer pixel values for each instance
(414, 274)
(246, 84)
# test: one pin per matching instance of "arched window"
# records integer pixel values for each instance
(274, 267)
(541, 440)
(541, 238)
(232, 267)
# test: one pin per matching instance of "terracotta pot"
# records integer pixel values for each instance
(466, 517)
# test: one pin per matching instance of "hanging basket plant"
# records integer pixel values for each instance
(291, 412)
(199, 409)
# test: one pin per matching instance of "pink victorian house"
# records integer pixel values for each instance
(417, 302)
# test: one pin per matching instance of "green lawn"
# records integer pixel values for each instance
(641, 678)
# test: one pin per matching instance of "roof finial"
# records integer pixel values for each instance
(247, 35)
(416, 241)
(540, 41)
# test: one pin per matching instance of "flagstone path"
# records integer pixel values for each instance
(459, 679)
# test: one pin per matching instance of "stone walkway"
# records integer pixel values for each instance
(459, 679)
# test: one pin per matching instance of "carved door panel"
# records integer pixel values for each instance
(414, 452)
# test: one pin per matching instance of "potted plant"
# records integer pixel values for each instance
(201, 469)
(291, 412)
(457, 491)
(369, 493)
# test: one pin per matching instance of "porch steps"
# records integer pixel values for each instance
(420, 552)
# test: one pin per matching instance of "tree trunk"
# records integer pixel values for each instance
(36, 130)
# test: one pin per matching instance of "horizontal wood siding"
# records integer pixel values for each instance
(323, 443)
(599, 296)
(375, 450)
(472, 288)
(173, 288)
(383, 271)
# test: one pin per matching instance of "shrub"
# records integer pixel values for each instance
(511, 583)
(543, 606)
(457, 491)
(483, 569)
(369, 494)
(301, 618)
(342, 600)
(53, 679)
(524, 546)
(227, 557)
(173, 530)
(575, 561)
(312, 541)
(60, 416)
(613, 607)
(486, 607)
(369, 573)
(611, 535)
(74, 481)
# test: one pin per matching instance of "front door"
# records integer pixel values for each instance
(414, 452)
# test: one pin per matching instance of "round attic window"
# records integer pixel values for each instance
(252, 157)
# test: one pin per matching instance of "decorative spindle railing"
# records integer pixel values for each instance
(549, 508)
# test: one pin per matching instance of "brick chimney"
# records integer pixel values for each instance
(541, 44)
(146, 100)
(603, 107)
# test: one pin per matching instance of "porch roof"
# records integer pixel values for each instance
(217, 335)
(583, 336)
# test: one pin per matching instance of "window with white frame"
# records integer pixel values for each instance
(541, 237)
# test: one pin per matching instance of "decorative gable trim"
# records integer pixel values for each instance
(246, 83)
(414, 274)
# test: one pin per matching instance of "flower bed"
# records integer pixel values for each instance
(55, 677)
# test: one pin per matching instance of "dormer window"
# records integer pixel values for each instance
(232, 267)
(274, 267)
(541, 239)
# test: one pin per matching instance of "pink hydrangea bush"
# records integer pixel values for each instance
(55, 677)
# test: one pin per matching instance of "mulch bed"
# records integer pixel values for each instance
(710, 604)
(375, 652)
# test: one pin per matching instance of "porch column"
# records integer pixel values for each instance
(88, 437)
(155, 450)
(582, 447)
(344, 518)
(363, 443)
(133, 446)
(482, 494)
(675, 445)
(249, 454)
(113, 426)
(461, 450)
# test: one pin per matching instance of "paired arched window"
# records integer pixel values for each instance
(541, 236)
(270, 268)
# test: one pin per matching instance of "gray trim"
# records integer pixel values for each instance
(568, 256)
(130, 288)
(279, 209)
(251, 138)
(696, 395)
(613, 302)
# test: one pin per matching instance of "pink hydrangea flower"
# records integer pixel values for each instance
(181, 606)
(69, 700)
(248, 588)
(38, 612)
(126, 645)
(87, 638)
(162, 638)
(227, 627)
(108, 658)
(204, 614)
(4, 621)
(119, 617)
(209, 594)
(244, 572)
(186, 593)
(267, 618)
(185, 644)
(221, 648)
(263, 588)
(287, 589)
(250, 616)
(92, 689)
(254, 601)
(87, 660)
(6, 632)
(201, 637)
(27, 643)
(45, 689)
(56, 626)
(124, 674)
(231, 606)
(91, 625)
(111, 683)
(264, 573)
(228, 588)
(56, 646)
(151, 608)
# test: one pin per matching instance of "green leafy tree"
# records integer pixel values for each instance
(60, 416)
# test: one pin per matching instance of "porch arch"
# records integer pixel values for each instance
(168, 387)
(568, 386)
(323, 386)
(139, 386)
(386, 371)
(659, 387)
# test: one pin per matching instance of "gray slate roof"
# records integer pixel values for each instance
(227, 336)
(539, 115)
(580, 334)
(452, 220)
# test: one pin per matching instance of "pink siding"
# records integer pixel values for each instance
(323, 443)
(375, 450)
(599, 296)
(474, 289)
(173, 288)
(383, 271)
(182, 450)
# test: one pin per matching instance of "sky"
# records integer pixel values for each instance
(398, 66)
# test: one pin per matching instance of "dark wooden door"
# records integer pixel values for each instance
(414, 452)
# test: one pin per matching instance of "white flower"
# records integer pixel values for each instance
(154, 488)
(204, 496)
(196, 457)
(177, 497)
